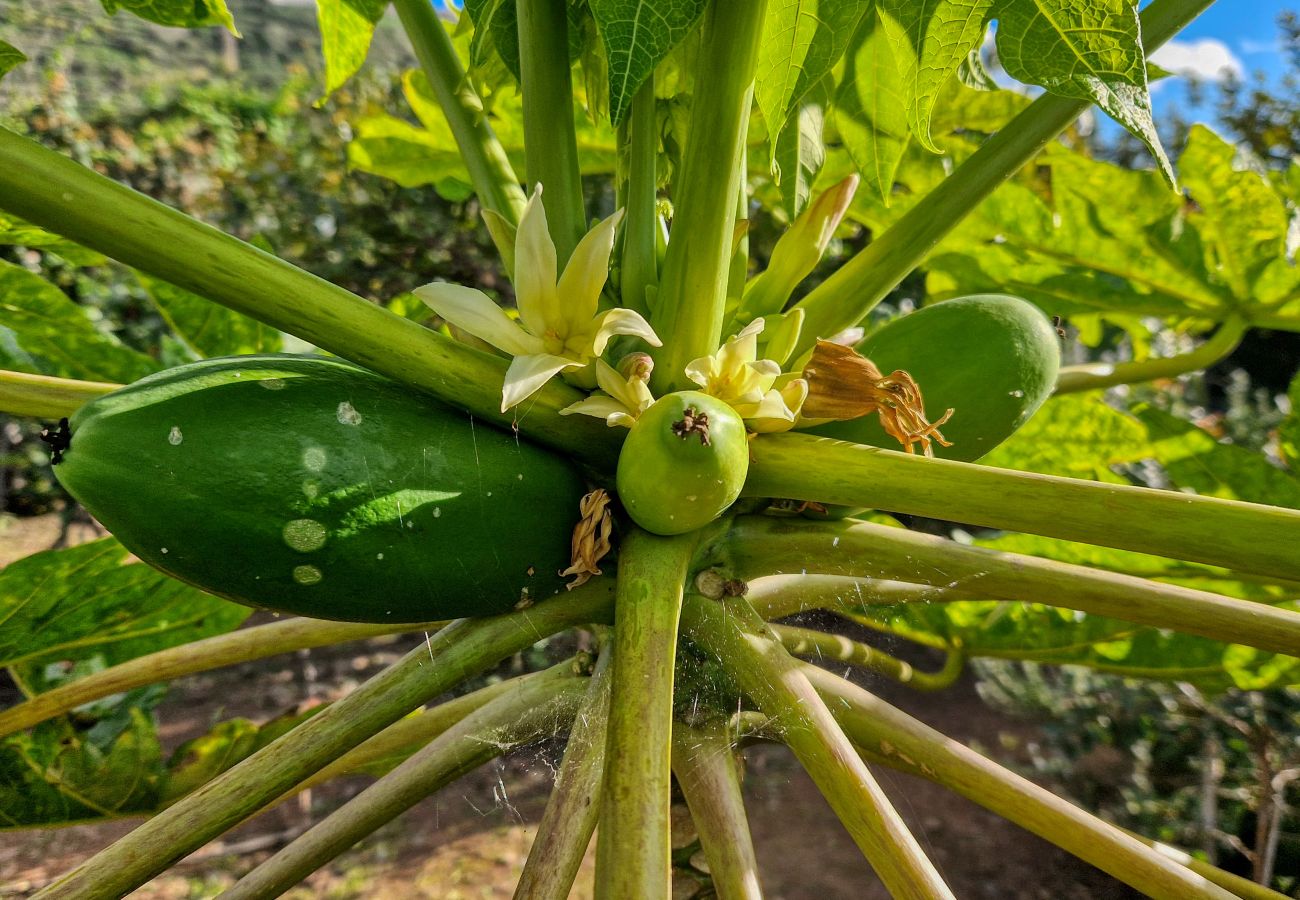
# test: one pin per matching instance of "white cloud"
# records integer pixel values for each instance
(1207, 59)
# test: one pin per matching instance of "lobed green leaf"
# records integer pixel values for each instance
(638, 35)
(177, 13)
(346, 29)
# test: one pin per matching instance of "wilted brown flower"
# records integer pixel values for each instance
(844, 384)
(590, 538)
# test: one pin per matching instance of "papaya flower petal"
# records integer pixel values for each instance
(535, 268)
(602, 407)
(527, 374)
(633, 393)
(579, 289)
(473, 311)
(621, 321)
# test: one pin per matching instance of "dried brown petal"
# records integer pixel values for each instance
(844, 384)
(590, 541)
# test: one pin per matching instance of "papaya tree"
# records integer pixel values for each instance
(699, 443)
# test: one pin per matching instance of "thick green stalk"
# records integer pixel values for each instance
(641, 222)
(863, 548)
(1092, 376)
(532, 709)
(1247, 537)
(412, 732)
(565, 831)
(693, 286)
(842, 300)
(778, 596)
(198, 656)
(632, 849)
(59, 195)
(489, 168)
(903, 742)
(822, 646)
(45, 396)
(733, 633)
(704, 761)
(453, 654)
(550, 140)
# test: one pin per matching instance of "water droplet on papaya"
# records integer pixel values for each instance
(163, 549)
(437, 512)
(305, 535)
(272, 384)
(521, 476)
(348, 415)
(307, 574)
(174, 436)
(1017, 394)
(379, 556)
(314, 458)
(311, 488)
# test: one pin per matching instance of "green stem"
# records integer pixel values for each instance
(902, 742)
(640, 224)
(1245, 536)
(845, 298)
(778, 596)
(204, 655)
(1093, 376)
(47, 397)
(453, 654)
(632, 850)
(564, 833)
(877, 550)
(410, 733)
(489, 168)
(550, 140)
(704, 761)
(819, 644)
(59, 195)
(733, 633)
(693, 286)
(531, 709)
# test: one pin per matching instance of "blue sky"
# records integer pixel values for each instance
(1240, 35)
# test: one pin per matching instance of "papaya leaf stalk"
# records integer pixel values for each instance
(447, 658)
(531, 709)
(733, 633)
(901, 741)
(808, 642)
(1248, 537)
(864, 548)
(45, 396)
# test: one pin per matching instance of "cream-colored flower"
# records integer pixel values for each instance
(624, 397)
(738, 377)
(559, 324)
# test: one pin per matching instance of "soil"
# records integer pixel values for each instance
(471, 839)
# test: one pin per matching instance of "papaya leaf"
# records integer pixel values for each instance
(800, 151)
(930, 39)
(1086, 49)
(870, 113)
(1243, 217)
(1289, 430)
(228, 743)
(207, 328)
(638, 35)
(44, 332)
(1077, 435)
(346, 28)
(10, 57)
(177, 13)
(802, 42)
(16, 232)
(1194, 459)
(59, 773)
(496, 33)
(972, 72)
(74, 611)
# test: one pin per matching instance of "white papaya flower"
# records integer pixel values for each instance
(559, 324)
(738, 377)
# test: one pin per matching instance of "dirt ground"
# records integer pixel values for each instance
(471, 839)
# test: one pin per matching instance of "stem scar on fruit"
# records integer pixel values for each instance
(693, 422)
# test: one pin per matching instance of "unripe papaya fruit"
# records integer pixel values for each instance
(991, 358)
(683, 463)
(311, 486)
